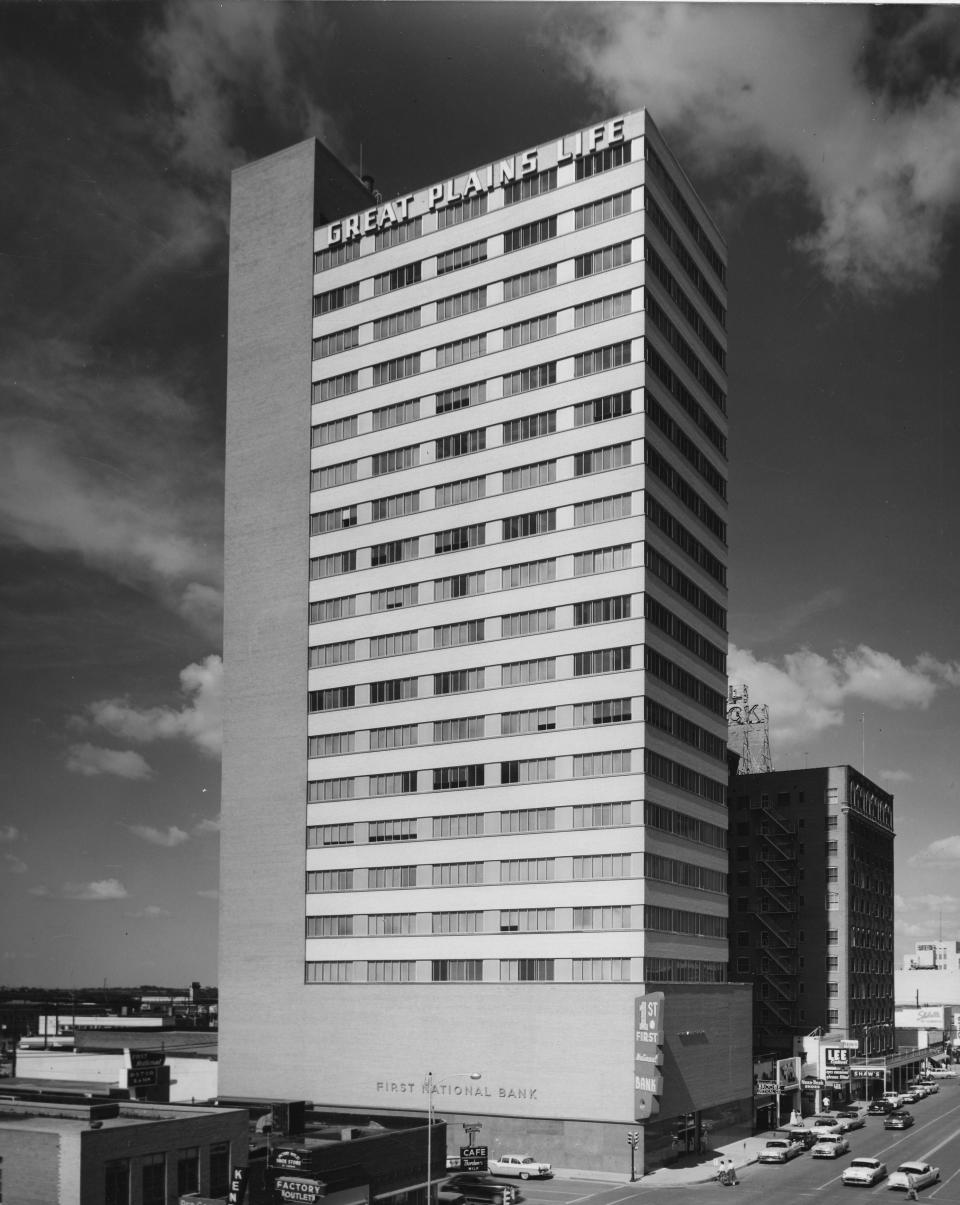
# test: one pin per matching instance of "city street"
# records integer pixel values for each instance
(934, 1139)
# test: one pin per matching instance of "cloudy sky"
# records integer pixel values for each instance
(824, 140)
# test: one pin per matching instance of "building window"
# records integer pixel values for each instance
(612, 917)
(534, 523)
(460, 585)
(600, 970)
(533, 769)
(604, 160)
(601, 815)
(333, 608)
(396, 414)
(456, 922)
(528, 476)
(530, 186)
(529, 331)
(601, 211)
(336, 299)
(456, 538)
(329, 972)
(461, 350)
(603, 711)
(461, 257)
(392, 924)
(394, 461)
(391, 876)
(602, 260)
(451, 635)
(530, 234)
(330, 926)
(397, 369)
(332, 699)
(399, 736)
(529, 573)
(334, 565)
(601, 661)
(527, 870)
(333, 520)
(528, 820)
(538, 377)
(393, 236)
(470, 728)
(602, 510)
(529, 282)
(332, 475)
(457, 778)
(601, 866)
(329, 880)
(392, 552)
(601, 560)
(188, 1170)
(458, 304)
(220, 1161)
(393, 690)
(319, 835)
(528, 623)
(334, 387)
(467, 824)
(331, 257)
(471, 489)
(602, 610)
(530, 427)
(526, 970)
(397, 324)
(461, 443)
(394, 599)
(153, 1179)
(592, 765)
(457, 681)
(338, 429)
(324, 789)
(461, 397)
(602, 409)
(456, 970)
(540, 719)
(399, 278)
(390, 971)
(527, 920)
(395, 506)
(457, 874)
(403, 782)
(319, 655)
(116, 1182)
(520, 673)
(601, 460)
(330, 345)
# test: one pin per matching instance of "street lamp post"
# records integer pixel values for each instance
(431, 1085)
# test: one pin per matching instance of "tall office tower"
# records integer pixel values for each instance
(811, 864)
(474, 799)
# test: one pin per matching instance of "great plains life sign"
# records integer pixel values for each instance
(648, 1040)
(475, 183)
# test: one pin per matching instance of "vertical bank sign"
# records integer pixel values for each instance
(647, 1055)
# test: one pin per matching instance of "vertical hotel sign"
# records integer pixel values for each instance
(647, 1055)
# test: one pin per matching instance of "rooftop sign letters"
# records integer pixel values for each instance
(475, 183)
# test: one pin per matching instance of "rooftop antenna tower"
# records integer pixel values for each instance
(748, 728)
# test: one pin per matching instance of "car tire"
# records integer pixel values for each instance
(524, 1175)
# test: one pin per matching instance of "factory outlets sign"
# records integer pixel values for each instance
(474, 184)
(647, 1055)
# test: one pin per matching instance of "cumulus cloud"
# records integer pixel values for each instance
(198, 720)
(8, 834)
(100, 889)
(14, 864)
(810, 95)
(944, 852)
(219, 59)
(92, 760)
(807, 692)
(169, 839)
(208, 826)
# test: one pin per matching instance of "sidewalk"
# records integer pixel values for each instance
(688, 1169)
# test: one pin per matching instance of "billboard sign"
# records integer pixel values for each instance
(647, 1055)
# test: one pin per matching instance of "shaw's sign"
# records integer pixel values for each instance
(473, 184)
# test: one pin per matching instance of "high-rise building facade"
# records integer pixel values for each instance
(474, 798)
(811, 866)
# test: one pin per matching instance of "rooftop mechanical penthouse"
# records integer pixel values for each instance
(475, 778)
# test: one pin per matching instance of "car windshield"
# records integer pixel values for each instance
(863, 1163)
(910, 1167)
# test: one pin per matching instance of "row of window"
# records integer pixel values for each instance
(519, 820)
(516, 870)
(466, 777)
(519, 970)
(648, 917)
(183, 1167)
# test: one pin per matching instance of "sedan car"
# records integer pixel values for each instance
(779, 1150)
(800, 1134)
(523, 1166)
(479, 1188)
(830, 1147)
(910, 1097)
(879, 1108)
(823, 1124)
(864, 1171)
(899, 1119)
(913, 1175)
(851, 1119)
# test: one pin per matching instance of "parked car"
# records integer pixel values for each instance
(823, 1124)
(913, 1175)
(523, 1166)
(832, 1146)
(879, 1108)
(480, 1188)
(803, 1135)
(865, 1171)
(851, 1119)
(780, 1150)
(892, 1097)
(899, 1119)
(942, 1072)
(910, 1097)
(931, 1085)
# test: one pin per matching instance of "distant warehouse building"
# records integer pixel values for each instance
(475, 781)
